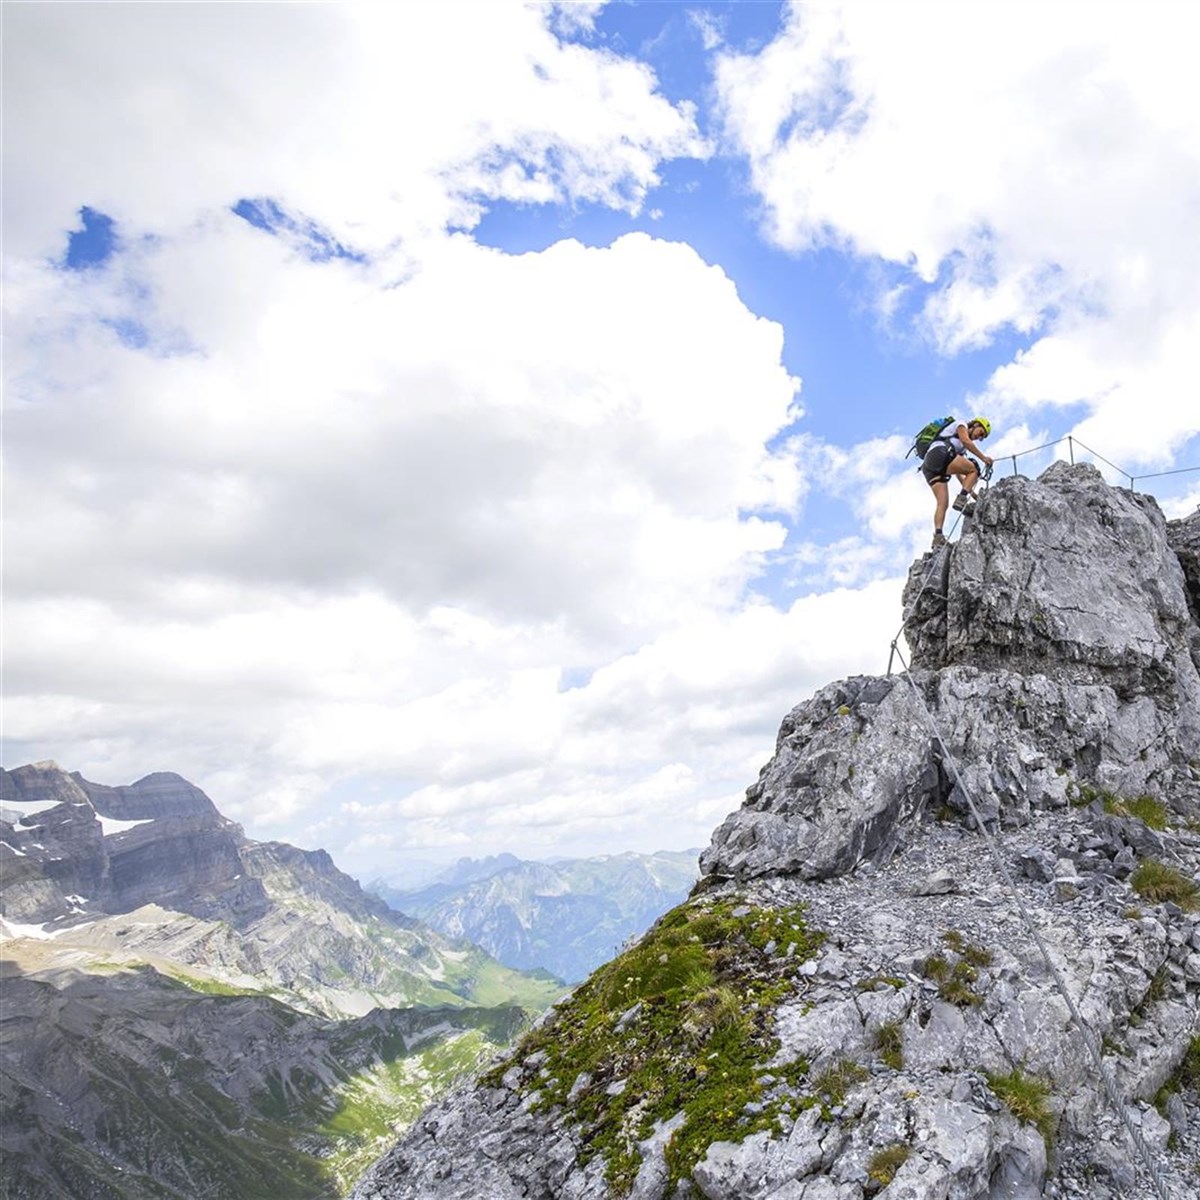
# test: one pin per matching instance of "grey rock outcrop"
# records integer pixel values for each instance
(169, 846)
(1052, 646)
(1184, 536)
(1062, 573)
(924, 1050)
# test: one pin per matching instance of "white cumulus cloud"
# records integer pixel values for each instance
(297, 525)
(1018, 170)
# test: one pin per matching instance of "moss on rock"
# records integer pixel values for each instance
(682, 1022)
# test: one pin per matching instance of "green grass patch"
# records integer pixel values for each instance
(1027, 1098)
(680, 1022)
(883, 1164)
(491, 983)
(377, 1104)
(1158, 882)
(936, 967)
(1145, 808)
(833, 1083)
(956, 979)
(873, 981)
(1158, 986)
(960, 993)
(209, 986)
(1082, 794)
(977, 956)
(1185, 1076)
(889, 1044)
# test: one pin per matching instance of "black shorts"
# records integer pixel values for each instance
(938, 457)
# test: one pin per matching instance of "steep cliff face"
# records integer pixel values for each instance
(1053, 646)
(1184, 537)
(191, 1013)
(89, 847)
(865, 994)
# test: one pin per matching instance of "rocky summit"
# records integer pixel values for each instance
(949, 947)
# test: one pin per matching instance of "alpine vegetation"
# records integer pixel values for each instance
(188, 1012)
(956, 910)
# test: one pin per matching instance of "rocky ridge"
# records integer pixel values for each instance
(190, 1013)
(851, 1003)
(153, 873)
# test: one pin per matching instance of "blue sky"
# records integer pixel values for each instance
(444, 429)
(846, 354)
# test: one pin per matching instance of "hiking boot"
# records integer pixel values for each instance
(939, 538)
(962, 500)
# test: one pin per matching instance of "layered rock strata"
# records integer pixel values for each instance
(167, 844)
(153, 872)
(174, 999)
(902, 1036)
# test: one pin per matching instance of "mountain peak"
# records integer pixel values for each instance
(1052, 646)
(908, 1033)
(1063, 575)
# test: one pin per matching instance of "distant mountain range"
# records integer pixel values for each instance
(191, 1013)
(566, 917)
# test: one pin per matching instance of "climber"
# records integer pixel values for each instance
(948, 456)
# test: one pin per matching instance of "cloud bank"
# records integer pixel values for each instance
(1037, 173)
(392, 540)
(290, 519)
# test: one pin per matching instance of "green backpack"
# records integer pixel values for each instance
(927, 435)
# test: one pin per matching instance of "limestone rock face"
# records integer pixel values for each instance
(1184, 537)
(850, 766)
(162, 794)
(1064, 574)
(1057, 643)
(1053, 694)
(167, 844)
(54, 845)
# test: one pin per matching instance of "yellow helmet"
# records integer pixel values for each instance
(987, 425)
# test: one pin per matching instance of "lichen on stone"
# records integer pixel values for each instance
(680, 1022)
